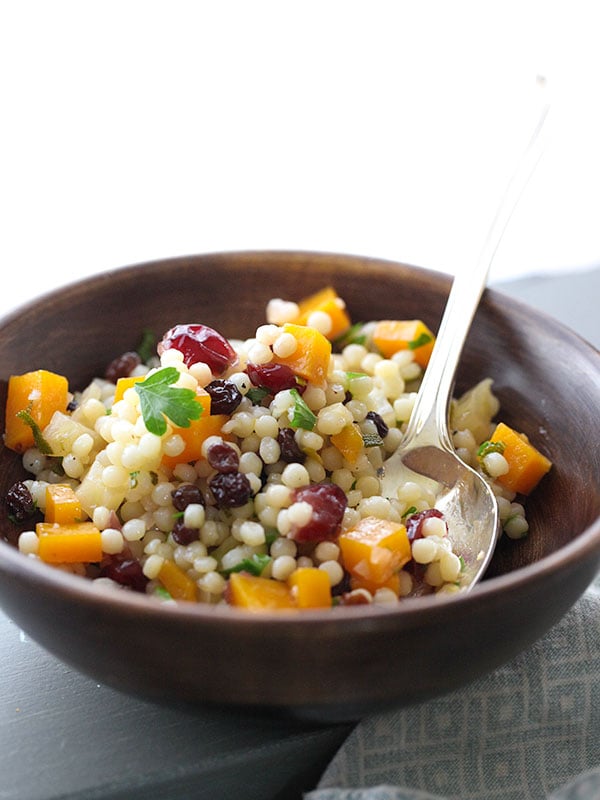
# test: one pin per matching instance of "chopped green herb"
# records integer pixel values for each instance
(354, 335)
(257, 394)
(372, 440)
(146, 349)
(159, 399)
(490, 447)
(133, 478)
(255, 565)
(270, 535)
(353, 375)
(409, 512)
(162, 593)
(300, 414)
(463, 564)
(424, 338)
(41, 444)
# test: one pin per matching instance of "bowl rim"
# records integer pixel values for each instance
(585, 545)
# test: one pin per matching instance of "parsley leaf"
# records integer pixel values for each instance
(300, 414)
(424, 338)
(354, 335)
(255, 565)
(147, 346)
(159, 399)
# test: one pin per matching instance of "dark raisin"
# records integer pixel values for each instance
(272, 376)
(182, 534)
(199, 343)
(20, 503)
(414, 523)
(329, 503)
(125, 570)
(230, 489)
(377, 420)
(225, 396)
(223, 457)
(185, 494)
(122, 366)
(290, 452)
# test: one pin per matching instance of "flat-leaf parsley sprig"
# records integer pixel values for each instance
(160, 399)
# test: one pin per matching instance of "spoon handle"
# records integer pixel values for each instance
(429, 419)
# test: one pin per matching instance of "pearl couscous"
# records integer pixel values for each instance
(248, 472)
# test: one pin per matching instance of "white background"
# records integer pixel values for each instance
(138, 130)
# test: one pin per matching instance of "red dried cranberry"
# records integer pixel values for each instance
(272, 376)
(225, 396)
(328, 502)
(414, 523)
(185, 494)
(125, 570)
(200, 343)
(230, 489)
(223, 457)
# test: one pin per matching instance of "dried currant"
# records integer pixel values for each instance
(379, 422)
(20, 503)
(122, 366)
(185, 494)
(230, 489)
(225, 396)
(290, 451)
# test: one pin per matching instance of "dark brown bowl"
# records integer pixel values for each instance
(322, 665)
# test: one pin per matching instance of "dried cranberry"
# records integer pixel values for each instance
(223, 457)
(185, 494)
(230, 489)
(20, 503)
(379, 422)
(290, 452)
(328, 502)
(122, 366)
(225, 396)
(200, 343)
(272, 376)
(182, 534)
(414, 523)
(126, 570)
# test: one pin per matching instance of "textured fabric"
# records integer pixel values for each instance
(528, 731)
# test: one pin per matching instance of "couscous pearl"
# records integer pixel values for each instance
(406, 583)
(308, 440)
(326, 551)
(495, 465)
(332, 459)
(304, 561)
(411, 371)
(354, 498)
(161, 494)
(295, 475)
(358, 409)
(333, 419)
(375, 506)
(516, 527)
(424, 551)
(260, 353)
(150, 447)
(82, 446)
(255, 482)
(283, 547)
(280, 311)
(152, 567)
(278, 495)
(433, 574)
(93, 410)
(410, 492)
(241, 380)
(173, 446)
(282, 567)
(194, 515)
(315, 470)
(33, 461)
(266, 425)
(433, 526)
(283, 522)
(185, 473)
(234, 556)
(73, 466)
(343, 478)
(211, 582)
(269, 517)
(368, 486)
(503, 508)
(267, 334)
(101, 516)
(162, 518)
(300, 513)
(285, 345)
(205, 564)
(334, 570)
(369, 361)
(112, 541)
(450, 566)
(252, 533)
(385, 597)
(353, 355)
(28, 543)
(321, 321)
(314, 397)
(115, 477)
(403, 407)
(114, 451)
(133, 530)
(201, 372)
(250, 462)
(269, 450)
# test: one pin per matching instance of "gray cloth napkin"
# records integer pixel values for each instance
(528, 731)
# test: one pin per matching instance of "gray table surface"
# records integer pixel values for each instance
(62, 736)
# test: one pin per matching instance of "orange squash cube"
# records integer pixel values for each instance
(258, 594)
(526, 465)
(39, 394)
(126, 383)
(72, 543)
(374, 549)
(179, 585)
(310, 360)
(390, 336)
(328, 301)
(62, 505)
(311, 587)
(349, 442)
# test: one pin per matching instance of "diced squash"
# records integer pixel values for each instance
(349, 442)
(39, 394)
(310, 360)
(311, 587)
(374, 549)
(179, 585)
(393, 583)
(62, 505)
(526, 465)
(126, 383)
(199, 430)
(258, 594)
(328, 301)
(72, 543)
(390, 336)
(62, 430)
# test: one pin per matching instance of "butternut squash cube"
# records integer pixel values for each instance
(39, 394)
(374, 549)
(311, 587)
(526, 465)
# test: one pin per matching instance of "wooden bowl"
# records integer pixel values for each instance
(333, 665)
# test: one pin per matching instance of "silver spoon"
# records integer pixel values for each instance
(426, 454)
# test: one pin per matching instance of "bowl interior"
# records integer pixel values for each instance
(535, 362)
